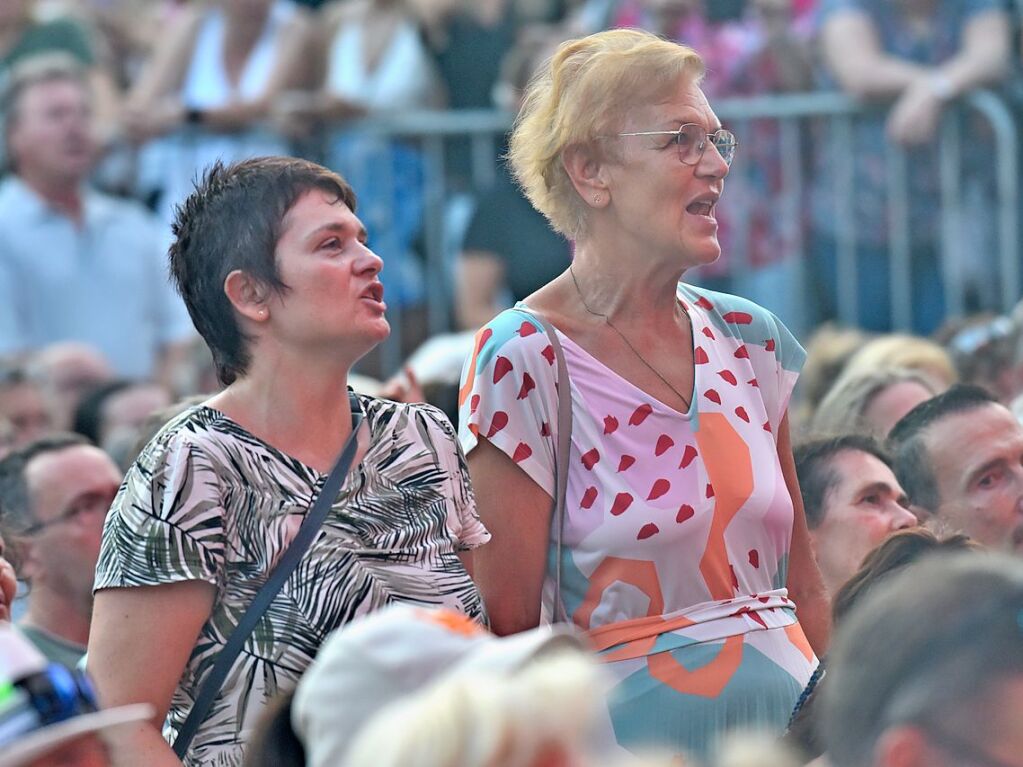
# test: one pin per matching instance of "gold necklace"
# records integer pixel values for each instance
(621, 335)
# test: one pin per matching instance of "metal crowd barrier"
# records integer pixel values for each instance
(795, 115)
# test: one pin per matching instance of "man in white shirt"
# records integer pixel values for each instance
(76, 264)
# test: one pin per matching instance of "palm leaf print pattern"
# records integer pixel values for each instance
(207, 500)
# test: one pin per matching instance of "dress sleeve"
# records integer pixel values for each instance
(509, 395)
(166, 524)
(780, 367)
(463, 522)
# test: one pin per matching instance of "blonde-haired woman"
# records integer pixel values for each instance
(683, 545)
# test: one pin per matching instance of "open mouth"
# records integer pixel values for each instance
(701, 209)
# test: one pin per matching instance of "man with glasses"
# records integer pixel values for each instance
(54, 495)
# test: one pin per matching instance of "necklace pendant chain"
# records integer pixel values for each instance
(621, 335)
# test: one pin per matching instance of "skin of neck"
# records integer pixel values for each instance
(630, 290)
(61, 192)
(295, 397)
(65, 615)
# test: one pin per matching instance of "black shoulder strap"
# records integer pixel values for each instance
(280, 574)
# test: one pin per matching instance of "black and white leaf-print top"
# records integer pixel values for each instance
(207, 500)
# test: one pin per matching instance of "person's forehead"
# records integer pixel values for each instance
(70, 467)
(315, 208)
(684, 103)
(45, 92)
(857, 468)
(973, 436)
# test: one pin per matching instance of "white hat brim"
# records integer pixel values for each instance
(30, 747)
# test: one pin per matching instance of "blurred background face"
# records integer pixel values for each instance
(23, 406)
(887, 407)
(977, 459)
(125, 412)
(864, 506)
(51, 134)
(71, 491)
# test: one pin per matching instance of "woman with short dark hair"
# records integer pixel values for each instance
(273, 265)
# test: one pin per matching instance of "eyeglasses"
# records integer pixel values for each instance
(53, 695)
(692, 142)
(90, 503)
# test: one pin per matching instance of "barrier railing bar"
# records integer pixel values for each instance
(792, 202)
(1007, 178)
(899, 247)
(437, 281)
(950, 167)
(845, 227)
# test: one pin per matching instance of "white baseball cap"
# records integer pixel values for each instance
(392, 654)
(28, 732)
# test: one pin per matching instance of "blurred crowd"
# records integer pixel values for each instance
(908, 444)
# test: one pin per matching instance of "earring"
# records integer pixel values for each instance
(262, 314)
(597, 199)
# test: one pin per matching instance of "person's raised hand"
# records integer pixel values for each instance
(403, 387)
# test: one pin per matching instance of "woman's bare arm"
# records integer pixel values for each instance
(805, 584)
(509, 569)
(139, 643)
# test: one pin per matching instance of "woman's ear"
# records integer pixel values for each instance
(247, 295)
(586, 170)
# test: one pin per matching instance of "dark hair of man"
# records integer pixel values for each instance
(16, 514)
(910, 460)
(44, 68)
(274, 742)
(88, 420)
(817, 477)
(925, 648)
(233, 220)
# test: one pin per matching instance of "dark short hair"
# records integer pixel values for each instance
(88, 417)
(925, 647)
(16, 513)
(910, 460)
(817, 477)
(233, 220)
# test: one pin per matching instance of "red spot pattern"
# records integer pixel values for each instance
(753, 382)
(769, 345)
(713, 396)
(703, 303)
(687, 457)
(499, 421)
(742, 353)
(664, 444)
(708, 332)
(728, 376)
(625, 462)
(647, 530)
(685, 511)
(622, 502)
(735, 578)
(660, 487)
(545, 429)
(767, 427)
(522, 452)
(741, 412)
(710, 490)
(526, 328)
(590, 459)
(610, 424)
(474, 403)
(528, 384)
(754, 558)
(588, 497)
(502, 367)
(640, 414)
(700, 356)
(548, 354)
(739, 318)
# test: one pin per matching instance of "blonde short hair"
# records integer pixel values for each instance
(899, 350)
(580, 94)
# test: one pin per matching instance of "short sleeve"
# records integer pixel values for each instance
(166, 524)
(784, 357)
(463, 522)
(509, 395)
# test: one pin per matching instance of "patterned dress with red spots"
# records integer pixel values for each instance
(677, 526)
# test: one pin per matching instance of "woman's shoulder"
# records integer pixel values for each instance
(388, 416)
(197, 428)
